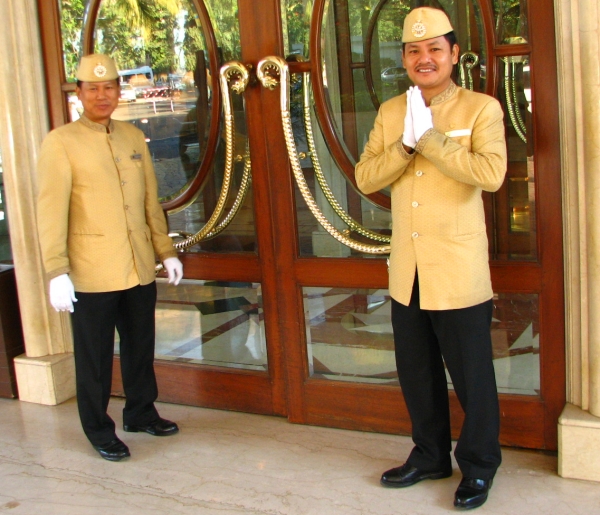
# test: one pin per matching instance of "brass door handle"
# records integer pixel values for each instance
(273, 71)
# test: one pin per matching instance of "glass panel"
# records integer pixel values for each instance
(295, 24)
(164, 87)
(362, 67)
(5, 247)
(350, 338)
(166, 91)
(515, 339)
(513, 232)
(314, 240)
(71, 29)
(210, 323)
(349, 335)
(511, 21)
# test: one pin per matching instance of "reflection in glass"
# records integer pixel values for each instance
(349, 335)
(167, 92)
(71, 29)
(511, 21)
(514, 234)
(5, 247)
(295, 24)
(165, 84)
(349, 338)
(516, 343)
(314, 240)
(211, 323)
(362, 66)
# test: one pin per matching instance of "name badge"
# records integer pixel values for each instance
(458, 132)
(136, 157)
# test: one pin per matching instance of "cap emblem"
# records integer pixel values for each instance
(418, 29)
(100, 70)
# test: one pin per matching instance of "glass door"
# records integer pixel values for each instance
(255, 114)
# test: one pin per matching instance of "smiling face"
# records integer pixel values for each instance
(99, 100)
(429, 64)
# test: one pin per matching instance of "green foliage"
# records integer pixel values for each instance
(71, 20)
(298, 13)
(224, 18)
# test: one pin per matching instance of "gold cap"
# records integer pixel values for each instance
(97, 68)
(425, 23)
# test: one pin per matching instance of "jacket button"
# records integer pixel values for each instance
(126, 208)
(117, 159)
(415, 235)
(419, 173)
(415, 204)
(122, 183)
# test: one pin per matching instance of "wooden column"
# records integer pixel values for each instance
(45, 373)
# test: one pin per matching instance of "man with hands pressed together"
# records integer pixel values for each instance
(438, 146)
(100, 225)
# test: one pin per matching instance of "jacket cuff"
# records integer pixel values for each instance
(168, 254)
(405, 155)
(59, 271)
(424, 139)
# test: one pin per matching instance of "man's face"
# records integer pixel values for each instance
(99, 100)
(429, 64)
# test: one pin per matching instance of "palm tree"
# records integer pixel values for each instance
(139, 13)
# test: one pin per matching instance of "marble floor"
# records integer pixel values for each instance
(227, 463)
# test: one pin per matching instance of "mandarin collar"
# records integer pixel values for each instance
(96, 126)
(444, 95)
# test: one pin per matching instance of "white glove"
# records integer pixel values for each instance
(62, 293)
(174, 269)
(408, 138)
(421, 114)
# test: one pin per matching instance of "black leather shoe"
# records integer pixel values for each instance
(158, 427)
(472, 493)
(407, 475)
(115, 450)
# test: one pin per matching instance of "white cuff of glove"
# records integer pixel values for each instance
(174, 269)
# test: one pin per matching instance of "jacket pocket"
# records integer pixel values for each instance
(468, 236)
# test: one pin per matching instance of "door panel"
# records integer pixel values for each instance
(286, 310)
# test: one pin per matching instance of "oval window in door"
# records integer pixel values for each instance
(170, 54)
(169, 85)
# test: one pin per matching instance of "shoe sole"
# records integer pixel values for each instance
(463, 507)
(433, 475)
(114, 458)
(131, 429)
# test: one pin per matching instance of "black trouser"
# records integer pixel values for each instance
(462, 338)
(94, 320)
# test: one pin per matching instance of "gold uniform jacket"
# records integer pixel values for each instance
(437, 209)
(98, 213)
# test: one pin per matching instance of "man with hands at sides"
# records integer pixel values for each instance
(100, 225)
(438, 146)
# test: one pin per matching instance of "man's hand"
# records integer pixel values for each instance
(62, 293)
(421, 114)
(408, 138)
(174, 269)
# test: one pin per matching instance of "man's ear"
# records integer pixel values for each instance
(455, 54)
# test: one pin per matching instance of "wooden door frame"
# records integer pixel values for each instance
(287, 389)
(381, 408)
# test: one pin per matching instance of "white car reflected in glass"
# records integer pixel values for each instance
(127, 93)
(393, 73)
